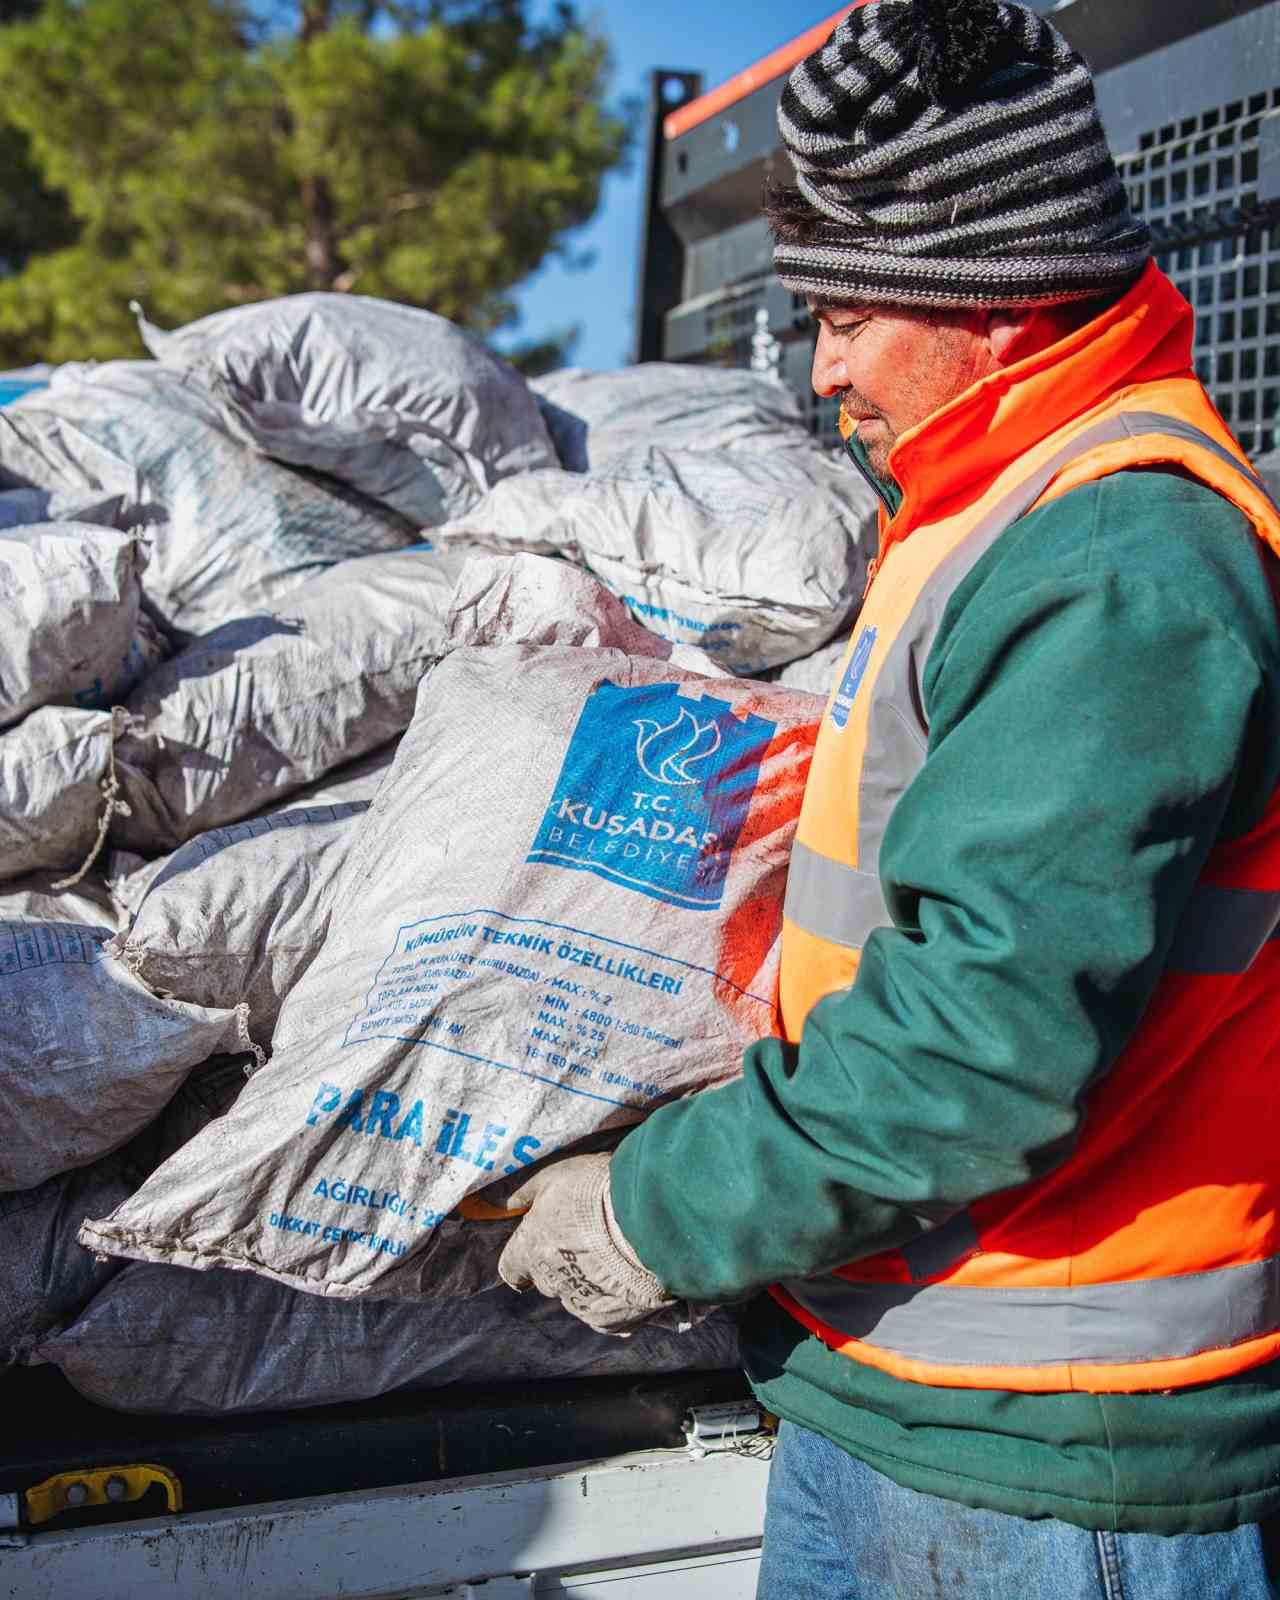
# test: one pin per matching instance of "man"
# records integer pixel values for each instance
(1012, 1177)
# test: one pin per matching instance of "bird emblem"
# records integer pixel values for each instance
(666, 754)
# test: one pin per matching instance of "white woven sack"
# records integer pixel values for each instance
(70, 599)
(35, 899)
(57, 783)
(400, 403)
(816, 674)
(595, 416)
(170, 1343)
(264, 706)
(527, 599)
(231, 532)
(129, 874)
(88, 1055)
(755, 559)
(562, 908)
(236, 915)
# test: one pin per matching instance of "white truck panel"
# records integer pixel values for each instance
(661, 1525)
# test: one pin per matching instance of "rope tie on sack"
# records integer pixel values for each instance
(123, 951)
(122, 721)
(135, 960)
(245, 1038)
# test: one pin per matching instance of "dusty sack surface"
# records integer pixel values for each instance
(268, 704)
(163, 1341)
(236, 915)
(400, 403)
(52, 766)
(756, 559)
(34, 899)
(531, 599)
(69, 623)
(88, 1055)
(600, 935)
(594, 416)
(46, 1275)
(230, 531)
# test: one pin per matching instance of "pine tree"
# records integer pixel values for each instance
(212, 152)
(32, 217)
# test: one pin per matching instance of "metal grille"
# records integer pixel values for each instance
(1196, 182)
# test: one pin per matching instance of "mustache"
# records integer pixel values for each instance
(855, 407)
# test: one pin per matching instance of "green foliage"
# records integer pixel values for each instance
(213, 154)
(33, 217)
(538, 357)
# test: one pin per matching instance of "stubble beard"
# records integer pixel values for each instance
(855, 409)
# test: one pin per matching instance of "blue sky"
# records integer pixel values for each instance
(705, 36)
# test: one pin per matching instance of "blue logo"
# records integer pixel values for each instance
(654, 791)
(850, 683)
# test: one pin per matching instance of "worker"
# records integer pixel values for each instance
(1000, 1206)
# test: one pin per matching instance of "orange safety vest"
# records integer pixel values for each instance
(1150, 1259)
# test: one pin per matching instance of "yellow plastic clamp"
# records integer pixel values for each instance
(98, 1486)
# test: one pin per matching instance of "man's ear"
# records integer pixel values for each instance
(1013, 335)
(1010, 334)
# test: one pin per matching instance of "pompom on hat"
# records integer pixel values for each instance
(951, 154)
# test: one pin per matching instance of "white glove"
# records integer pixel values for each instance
(570, 1248)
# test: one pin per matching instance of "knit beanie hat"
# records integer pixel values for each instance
(953, 153)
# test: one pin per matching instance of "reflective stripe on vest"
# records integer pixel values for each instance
(836, 902)
(843, 905)
(1222, 930)
(1147, 1319)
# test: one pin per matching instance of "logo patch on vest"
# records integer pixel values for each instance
(653, 792)
(847, 693)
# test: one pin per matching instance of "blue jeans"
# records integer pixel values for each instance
(836, 1530)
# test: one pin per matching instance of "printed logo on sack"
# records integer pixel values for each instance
(851, 682)
(675, 748)
(653, 792)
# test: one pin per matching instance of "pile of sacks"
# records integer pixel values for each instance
(391, 798)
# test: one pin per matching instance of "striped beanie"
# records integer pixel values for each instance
(949, 153)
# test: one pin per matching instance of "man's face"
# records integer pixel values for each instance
(894, 368)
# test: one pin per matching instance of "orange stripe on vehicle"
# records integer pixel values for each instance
(756, 76)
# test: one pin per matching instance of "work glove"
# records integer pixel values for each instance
(571, 1249)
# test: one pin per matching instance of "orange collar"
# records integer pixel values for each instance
(963, 447)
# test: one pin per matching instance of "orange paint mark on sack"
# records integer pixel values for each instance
(751, 930)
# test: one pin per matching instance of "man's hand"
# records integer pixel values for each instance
(570, 1248)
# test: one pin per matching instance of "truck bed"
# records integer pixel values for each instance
(372, 1444)
(579, 1488)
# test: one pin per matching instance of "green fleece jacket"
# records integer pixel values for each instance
(1104, 704)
